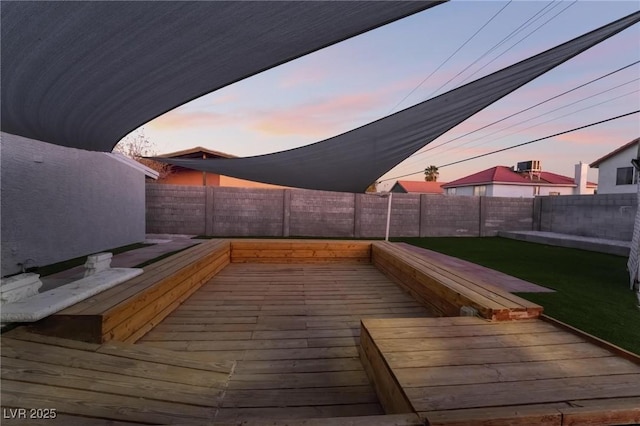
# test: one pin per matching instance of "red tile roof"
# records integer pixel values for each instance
(596, 163)
(504, 174)
(421, 187)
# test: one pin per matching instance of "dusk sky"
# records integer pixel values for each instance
(364, 78)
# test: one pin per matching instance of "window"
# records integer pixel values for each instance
(554, 193)
(536, 190)
(625, 176)
(451, 191)
(480, 190)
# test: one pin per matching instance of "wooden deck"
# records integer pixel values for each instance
(463, 370)
(294, 331)
(447, 290)
(285, 318)
(92, 384)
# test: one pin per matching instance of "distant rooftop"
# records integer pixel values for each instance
(506, 175)
(596, 163)
(421, 187)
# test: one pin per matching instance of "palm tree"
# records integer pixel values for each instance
(431, 174)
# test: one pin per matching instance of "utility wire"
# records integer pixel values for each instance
(494, 47)
(450, 56)
(430, 148)
(539, 139)
(518, 42)
(518, 145)
(546, 113)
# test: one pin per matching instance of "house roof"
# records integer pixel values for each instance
(421, 187)
(597, 163)
(197, 152)
(506, 175)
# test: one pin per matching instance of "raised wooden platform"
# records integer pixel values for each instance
(446, 290)
(300, 251)
(294, 331)
(128, 311)
(461, 371)
(66, 382)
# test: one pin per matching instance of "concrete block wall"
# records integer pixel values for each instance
(175, 209)
(505, 214)
(371, 221)
(321, 214)
(405, 215)
(303, 213)
(244, 212)
(600, 216)
(444, 216)
(371, 215)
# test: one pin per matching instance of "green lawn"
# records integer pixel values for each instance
(592, 289)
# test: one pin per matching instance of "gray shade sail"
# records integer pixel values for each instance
(83, 74)
(351, 161)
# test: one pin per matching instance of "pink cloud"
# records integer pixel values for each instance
(321, 118)
(304, 75)
(182, 120)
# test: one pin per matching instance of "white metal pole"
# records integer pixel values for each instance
(386, 235)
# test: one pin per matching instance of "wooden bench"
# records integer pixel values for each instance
(469, 371)
(300, 251)
(445, 290)
(128, 311)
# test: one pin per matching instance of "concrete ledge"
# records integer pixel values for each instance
(49, 302)
(617, 247)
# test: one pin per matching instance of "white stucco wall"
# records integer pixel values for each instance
(59, 203)
(608, 170)
(462, 190)
(517, 191)
(512, 191)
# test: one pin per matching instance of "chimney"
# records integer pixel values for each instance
(581, 178)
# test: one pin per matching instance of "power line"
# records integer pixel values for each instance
(495, 46)
(547, 113)
(450, 56)
(541, 139)
(518, 145)
(518, 42)
(431, 148)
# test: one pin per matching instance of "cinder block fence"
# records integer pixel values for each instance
(256, 212)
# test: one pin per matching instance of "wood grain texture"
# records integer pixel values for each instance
(294, 330)
(460, 371)
(128, 311)
(107, 384)
(446, 290)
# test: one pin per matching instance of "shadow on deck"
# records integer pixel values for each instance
(285, 316)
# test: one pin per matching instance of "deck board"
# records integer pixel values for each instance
(456, 371)
(293, 330)
(98, 384)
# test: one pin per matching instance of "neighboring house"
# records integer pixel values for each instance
(616, 174)
(183, 176)
(522, 181)
(418, 187)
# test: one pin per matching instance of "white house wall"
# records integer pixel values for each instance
(608, 170)
(59, 203)
(515, 191)
(464, 190)
(512, 191)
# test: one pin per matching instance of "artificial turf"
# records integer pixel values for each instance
(592, 289)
